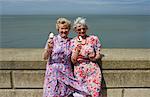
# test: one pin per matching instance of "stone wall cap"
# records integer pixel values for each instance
(35, 54)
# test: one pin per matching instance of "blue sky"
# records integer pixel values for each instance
(140, 7)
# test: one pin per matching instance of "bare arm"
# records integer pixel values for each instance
(74, 57)
(46, 54)
(96, 57)
(75, 54)
(48, 50)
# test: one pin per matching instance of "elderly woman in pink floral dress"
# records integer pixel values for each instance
(85, 53)
(59, 80)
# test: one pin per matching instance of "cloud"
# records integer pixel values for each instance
(87, 2)
(107, 2)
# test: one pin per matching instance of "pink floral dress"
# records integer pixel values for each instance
(59, 79)
(85, 70)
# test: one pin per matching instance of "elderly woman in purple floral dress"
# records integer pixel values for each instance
(59, 80)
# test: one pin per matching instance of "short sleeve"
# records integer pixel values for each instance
(97, 45)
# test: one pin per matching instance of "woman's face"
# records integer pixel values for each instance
(81, 30)
(63, 30)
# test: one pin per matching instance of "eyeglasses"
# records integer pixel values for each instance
(63, 32)
(81, 32)
(81, 29)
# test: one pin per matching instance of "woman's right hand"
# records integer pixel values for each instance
(78, 48)
(50, 43)
(75, 53)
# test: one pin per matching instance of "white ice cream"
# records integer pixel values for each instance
(51, 35)
(80, 39)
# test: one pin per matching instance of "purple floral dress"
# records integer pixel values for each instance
(59, 80)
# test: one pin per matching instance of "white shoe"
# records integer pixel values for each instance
(77, 95)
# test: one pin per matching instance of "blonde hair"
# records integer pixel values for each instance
(78, 22)
(63, 21)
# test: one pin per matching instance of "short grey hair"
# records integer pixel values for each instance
(79, 21)
(63, 21)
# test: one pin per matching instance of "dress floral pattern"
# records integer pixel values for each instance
(85, 70)
(59, 80)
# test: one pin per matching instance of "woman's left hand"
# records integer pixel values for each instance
(92, 55)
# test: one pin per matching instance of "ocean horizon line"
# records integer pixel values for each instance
(80, 14)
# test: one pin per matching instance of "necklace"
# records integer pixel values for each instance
(83, 41)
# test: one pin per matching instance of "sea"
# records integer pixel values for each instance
(114, 31)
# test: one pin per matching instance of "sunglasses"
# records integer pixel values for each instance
(81, 29)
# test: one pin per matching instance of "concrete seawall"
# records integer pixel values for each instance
(126, 72)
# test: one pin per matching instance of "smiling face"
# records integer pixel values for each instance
(63, 26)
(63, 30)
(81, 30)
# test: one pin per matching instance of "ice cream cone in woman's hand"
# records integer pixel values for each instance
(78, 46)
(50, 40)
(79, 39)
